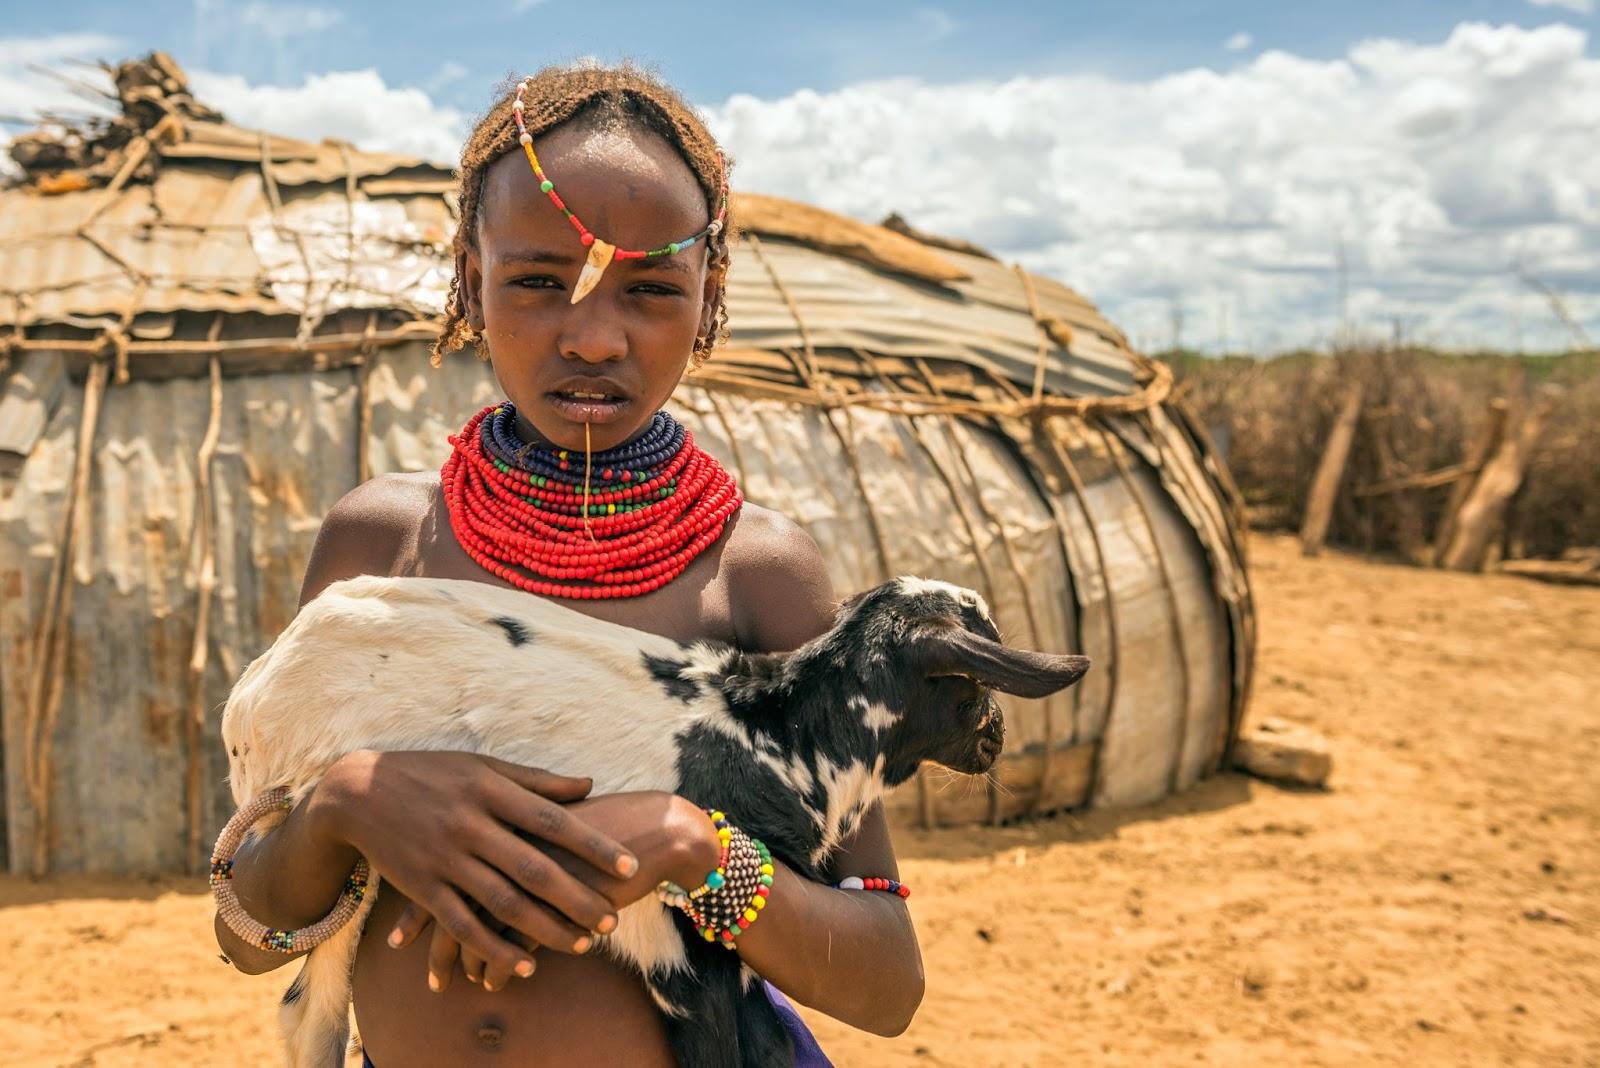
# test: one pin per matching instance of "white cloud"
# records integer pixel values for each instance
(1239, 42)
(25, 93)
(1438, 165)
(355, 106)
(1580, 7)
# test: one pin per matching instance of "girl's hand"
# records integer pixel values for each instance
(442, 827)
(671, 837)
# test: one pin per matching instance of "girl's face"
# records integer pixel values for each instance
(614, 358)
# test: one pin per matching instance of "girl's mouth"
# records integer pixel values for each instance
(587, 406)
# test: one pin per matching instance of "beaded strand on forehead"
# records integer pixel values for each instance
(601, 252)
(616, 97)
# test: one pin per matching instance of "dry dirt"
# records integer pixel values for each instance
(1440, 904)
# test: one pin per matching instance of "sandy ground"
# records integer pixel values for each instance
(1439, 905)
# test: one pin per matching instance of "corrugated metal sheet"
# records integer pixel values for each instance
(958, 500)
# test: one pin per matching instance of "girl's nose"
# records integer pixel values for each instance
(592, 330)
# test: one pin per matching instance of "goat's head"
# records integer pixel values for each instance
(927, 659)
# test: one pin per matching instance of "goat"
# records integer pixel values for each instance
(795, 746)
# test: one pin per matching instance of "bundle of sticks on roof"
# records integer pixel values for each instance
(1462, 462)
(147, 96)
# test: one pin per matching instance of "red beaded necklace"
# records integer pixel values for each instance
(630, 536)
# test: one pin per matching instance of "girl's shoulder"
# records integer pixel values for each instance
(371, 530)
(778, 584)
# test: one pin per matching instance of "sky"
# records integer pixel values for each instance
(1246, 176)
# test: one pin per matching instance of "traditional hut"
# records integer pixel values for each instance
(210, 333)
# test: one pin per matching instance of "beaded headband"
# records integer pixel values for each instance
(601, 253)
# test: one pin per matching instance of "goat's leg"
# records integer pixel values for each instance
(315, 1014)
(704, 1032)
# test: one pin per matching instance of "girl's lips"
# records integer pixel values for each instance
(587, 408)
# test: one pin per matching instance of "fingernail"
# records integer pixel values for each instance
(627, 865)
(396, 936)
(433, 983)
(524, 968)
(488, 986)
(582, 945)
(472, 978)
(606, 925)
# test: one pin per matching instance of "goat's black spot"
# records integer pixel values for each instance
(516, 630)
(669, 674)
(296, 988)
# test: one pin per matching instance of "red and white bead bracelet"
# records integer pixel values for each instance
(888, 886)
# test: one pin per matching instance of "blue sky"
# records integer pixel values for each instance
(1202, 164)
(712, 51)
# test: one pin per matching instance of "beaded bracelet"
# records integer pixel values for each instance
(890, 886)
(232, 912)
(735, 891)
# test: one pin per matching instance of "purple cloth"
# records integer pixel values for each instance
(807, 1054)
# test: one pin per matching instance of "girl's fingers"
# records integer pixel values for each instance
(442, 953)
(546, 881)
(561, 788)
(508, 904)
(472, 966)
(412, 922)
(455, 925)
(494, 978)
(547, 820)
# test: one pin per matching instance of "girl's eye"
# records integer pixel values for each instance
(656, 289)
(537, 281)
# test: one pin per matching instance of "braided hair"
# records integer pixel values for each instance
(623, 97)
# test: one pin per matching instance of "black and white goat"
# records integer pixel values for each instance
(794, 746)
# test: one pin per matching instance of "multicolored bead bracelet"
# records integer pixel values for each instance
(232, 912)
(735, 891)
(888, 886)
(601, 253)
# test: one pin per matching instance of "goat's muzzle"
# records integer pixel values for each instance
(988, 740)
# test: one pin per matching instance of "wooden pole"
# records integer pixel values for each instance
(1485, 507)
(1330, 471)
(1485, 446)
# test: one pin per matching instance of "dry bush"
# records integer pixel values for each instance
(1421, 412)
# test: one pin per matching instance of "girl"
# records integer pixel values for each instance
(589, 302)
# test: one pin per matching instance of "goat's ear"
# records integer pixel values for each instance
(956, 651)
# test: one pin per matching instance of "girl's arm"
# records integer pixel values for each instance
(441, 827)
(849, 953)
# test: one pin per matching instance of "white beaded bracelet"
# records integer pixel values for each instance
(241, 922)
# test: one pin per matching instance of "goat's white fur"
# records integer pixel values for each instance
(376, 663)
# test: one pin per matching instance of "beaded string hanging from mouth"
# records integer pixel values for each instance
(601, 253)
